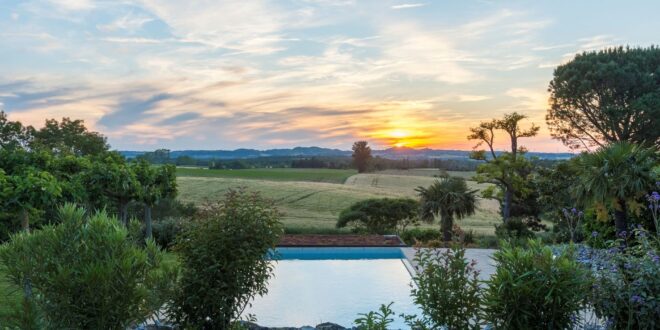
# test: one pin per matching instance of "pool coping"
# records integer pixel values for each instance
(330, 241)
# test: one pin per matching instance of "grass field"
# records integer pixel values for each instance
(271, 174)
(314, 206)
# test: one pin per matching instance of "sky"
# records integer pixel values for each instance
(213, 74)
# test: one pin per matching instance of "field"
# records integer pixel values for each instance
(271, 174)
(314, 206)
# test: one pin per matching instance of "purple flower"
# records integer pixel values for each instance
(635, 299)
(594, 234)
(623, 234)
(574, 210)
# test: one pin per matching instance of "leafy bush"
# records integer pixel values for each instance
(376, 320)
(534, 289)
(420, 236)
(380, 215)
(515, 229)
(85, 273)
(626, 291)
(223, 254)
(447, 290)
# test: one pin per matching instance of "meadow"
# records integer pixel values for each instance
(313, 205)
(271, 174)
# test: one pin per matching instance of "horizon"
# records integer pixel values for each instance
(262, 75)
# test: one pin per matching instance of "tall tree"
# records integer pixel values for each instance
(504, 170)
(446, 199)
(361, 156)
(69, 137)
(30, 192)
(12, 133)
(614, 177)
(607, 96)
(112, 181)
(155, 184)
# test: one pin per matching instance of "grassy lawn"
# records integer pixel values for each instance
(314, 206)
(271, 174)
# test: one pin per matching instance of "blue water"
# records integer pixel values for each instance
(316, 285)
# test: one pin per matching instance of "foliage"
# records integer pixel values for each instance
(420, 236)
(29, 192)
(626, 291)
(654, 207)
(554, 186)
(447, 198)
(573, 221)
(222, 254)
(154, 185)
(508, 171)
(86, 272)
(380, 215)
(13, 134)
(514, 231)
(615, 177)
(376, 320)
(534, 289)
(447, 291)
(361, 156)
(607, 96)
(112, 182)
(68, 137)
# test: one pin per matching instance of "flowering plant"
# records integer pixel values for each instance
(654, 205)
(626, 290)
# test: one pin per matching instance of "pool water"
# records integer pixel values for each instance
(316, 285)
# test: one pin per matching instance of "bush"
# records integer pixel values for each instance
(626, 291)
(86, 273)
(534, 289)
(420, 236)
(380, 215)
(376, 320)
(223, 254)
(447, 290)
(514, 230)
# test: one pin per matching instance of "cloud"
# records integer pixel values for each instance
(408, 5)
(72, 5)
(129, 22)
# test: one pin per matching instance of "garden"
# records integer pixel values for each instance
(91, 240)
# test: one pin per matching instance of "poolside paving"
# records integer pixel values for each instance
(340, 241)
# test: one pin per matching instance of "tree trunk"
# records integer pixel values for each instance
(508, 199)
(25, 221)
(123, 213)
(620, 218)
(147, 220)
(446, 222)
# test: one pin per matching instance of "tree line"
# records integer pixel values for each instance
(62, 162)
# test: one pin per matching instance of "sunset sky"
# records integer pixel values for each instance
(266, 74)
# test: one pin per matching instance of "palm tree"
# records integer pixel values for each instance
(447, 198)
(614, 176)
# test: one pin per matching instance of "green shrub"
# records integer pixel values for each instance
(515, 230)
(447, 290)
(416, 236)
(376, 320)
(626, 291)
(380, 215)
(223, 257)
(533, 289)
(85, 273)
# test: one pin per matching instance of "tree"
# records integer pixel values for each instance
(447, 198)
(69, 137)
(12, 133)
(223, 257)
(614, 177)
(503, 170)
(154, 185)
(361, 156)
(87, 272)
(31, 191)
(111, 180)
(380, 215)
(607, 96)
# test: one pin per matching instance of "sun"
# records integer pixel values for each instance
(399, 134)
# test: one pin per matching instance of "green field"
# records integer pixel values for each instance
(271, 174)
(314, 206)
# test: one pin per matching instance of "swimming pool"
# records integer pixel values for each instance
(316, 285)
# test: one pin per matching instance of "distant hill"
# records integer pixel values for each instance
(390, 153)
